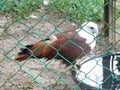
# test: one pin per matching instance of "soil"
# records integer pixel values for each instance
(32, 74)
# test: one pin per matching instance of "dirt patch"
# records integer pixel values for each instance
(32, 74)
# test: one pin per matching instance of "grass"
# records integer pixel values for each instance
(80, 10)
(18, 8)
(77, 10)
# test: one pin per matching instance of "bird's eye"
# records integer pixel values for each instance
(91, 27)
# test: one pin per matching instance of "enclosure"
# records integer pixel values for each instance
(24, 22)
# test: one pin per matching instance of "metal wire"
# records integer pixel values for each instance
(18, 28)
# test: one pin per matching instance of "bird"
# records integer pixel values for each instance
(67, 46)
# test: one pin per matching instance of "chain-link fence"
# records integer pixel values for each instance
(25, 22)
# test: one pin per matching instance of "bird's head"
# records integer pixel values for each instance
(91, 28)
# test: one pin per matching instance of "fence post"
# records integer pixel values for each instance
(109, 20)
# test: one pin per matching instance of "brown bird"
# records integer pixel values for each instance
(67, 46)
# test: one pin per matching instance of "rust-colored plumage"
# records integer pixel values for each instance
(71, 45)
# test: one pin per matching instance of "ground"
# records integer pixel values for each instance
(31, 74)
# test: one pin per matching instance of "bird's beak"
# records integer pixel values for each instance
(95, 32)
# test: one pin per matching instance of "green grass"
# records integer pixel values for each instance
(80, 10)
(18, 8)
(77, 10)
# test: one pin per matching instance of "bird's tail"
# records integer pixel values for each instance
(39, 50)
(23, 54)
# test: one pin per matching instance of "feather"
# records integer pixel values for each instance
(70, 44)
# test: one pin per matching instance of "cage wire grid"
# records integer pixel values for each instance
(31, 21)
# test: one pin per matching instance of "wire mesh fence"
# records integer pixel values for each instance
(27, 21)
